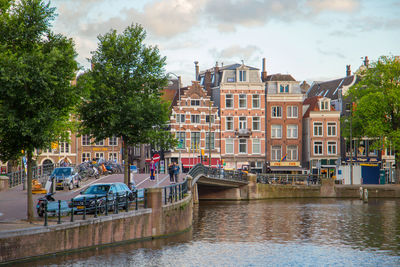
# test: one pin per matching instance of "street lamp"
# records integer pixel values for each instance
(179, 116)
(351, 144)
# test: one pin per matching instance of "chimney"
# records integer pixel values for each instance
(196, 67)
(216, 74)
(264, 72)
(366, 61)
(348, 70)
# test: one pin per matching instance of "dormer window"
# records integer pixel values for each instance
(324, 105)
(284, 88)
(242, 75)
(195, 102)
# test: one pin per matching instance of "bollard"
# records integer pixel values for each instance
(107, 204)
(84, 208)
(45, 214)
(165, 195)
(145, 199)
(95, 207)
(361, 192)
(365, 198)
(72, 210)
(136, 198)
(126, 202)
(59, 212)
(116, 204)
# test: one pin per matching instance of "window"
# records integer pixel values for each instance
(64, 147)
(292, 112)
(292, 131)
(195, 140)
(242, 146)
(85, 140)
(100, 143)
(256, 124)
(229, 101)
(242, 101)
(229, 146)
(256, 101)
(256, 146)
(291, 153)
(276, 131)
(208, 118)
(195, 102)
(276, 112)
(99, 155)
(136, 150)
(180, 118)
(331, 128)
(242, 123)
(195, 118)
(113, 156)
(318, 129)
(318, 148)
(113, 141)
(324, 105)
(331, 148)
(284, 88)
(181, 136)
(85, 156)
(212, 140)
(229, 123)
(276, 153)
(242, 75)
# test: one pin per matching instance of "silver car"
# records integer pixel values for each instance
(66, 177)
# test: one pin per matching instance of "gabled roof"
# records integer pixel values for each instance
(313, 105)
(331, 88)
(280, 77)
(227, 67)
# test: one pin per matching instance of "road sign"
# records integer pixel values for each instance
(156, 158)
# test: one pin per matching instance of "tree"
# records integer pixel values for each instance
(376, 108)
(124, 89)
(36, 69)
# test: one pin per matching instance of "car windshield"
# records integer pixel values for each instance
(97, 189)
(62, 172)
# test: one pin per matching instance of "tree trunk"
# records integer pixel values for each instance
(29, 185)
(126, 163)
(397, 174)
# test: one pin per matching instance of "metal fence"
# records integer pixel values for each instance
(217, 173)
(297, 179)
(175, 192)
(41, 173)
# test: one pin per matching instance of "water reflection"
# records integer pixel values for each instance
(280, 232)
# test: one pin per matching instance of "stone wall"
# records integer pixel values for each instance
(4, 180)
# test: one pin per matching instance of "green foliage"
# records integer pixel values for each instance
(122, 90)
(36, 69)
(377, 102)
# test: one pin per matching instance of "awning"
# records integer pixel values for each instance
(287, 168)
(190, 162)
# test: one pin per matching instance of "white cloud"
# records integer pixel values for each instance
(334, 5)
(236, 53)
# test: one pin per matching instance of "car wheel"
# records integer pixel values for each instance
(102, 208)
(71, 186)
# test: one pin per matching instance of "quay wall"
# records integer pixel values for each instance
(154, 222)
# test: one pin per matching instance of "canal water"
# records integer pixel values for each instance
(280, 232)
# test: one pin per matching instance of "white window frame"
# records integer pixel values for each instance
(256, 146)
(195, 102)
(276, 112)
(320, 145)
(276, 153)
(212, 140)
(193, 141)
(257, 122)
(229, 146)
(319, 126)
(85, 140)
(290, 111)
(242, 143)
(242, 101)
(292, 153)
(329, 146)
(255, 99)
(179, 136)
(242, 75)
(276, 131)
(180, 118)
(229, 98)
(242, 123)
(292, 131)
(229, 120)
(113, 156)
(113, 141)
(65, 147)
(324, 105)
(86, 156)
(195, 118)
(100, 143)
(99, 155)
(212, 118)
(330, 127)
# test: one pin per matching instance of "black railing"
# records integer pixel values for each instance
(217, 173)
(296, 179)
(175, 192)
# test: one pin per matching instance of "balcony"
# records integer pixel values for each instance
(242, 132)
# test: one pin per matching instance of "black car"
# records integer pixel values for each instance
(99, 194)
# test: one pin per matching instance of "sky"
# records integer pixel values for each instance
(312, 40)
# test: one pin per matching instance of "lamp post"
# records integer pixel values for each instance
(349, 109)
(179, 116)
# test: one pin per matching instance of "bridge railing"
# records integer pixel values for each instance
(216, 173)
(40, 173)
(175, 192)
(300, 179)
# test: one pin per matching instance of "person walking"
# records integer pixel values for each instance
(176, 172)
(171, 172)
(152, 170)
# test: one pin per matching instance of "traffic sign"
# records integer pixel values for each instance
(156, 158)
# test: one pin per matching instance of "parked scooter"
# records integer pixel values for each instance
(41, 205)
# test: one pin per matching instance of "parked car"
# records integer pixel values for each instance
(66, 177)
(98, 194)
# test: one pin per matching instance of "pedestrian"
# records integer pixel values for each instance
(171, 172)
(152, 169)
(176, 172)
